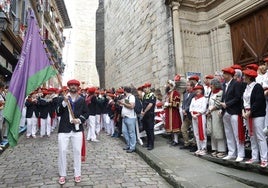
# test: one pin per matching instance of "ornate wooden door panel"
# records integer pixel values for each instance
(250, 37)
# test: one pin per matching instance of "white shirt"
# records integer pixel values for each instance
(263, 80)
(247, 94)
(127, 112)
(198, 105)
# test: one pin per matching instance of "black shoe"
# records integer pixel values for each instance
(174, 143)
(185, 147)
(130, 150)
(126, 148)
(150, 148)
(145, 146)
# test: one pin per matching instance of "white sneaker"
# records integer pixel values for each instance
(197, 152)
(228, 157)
(203, 152)
(251, 161)
(239, 159)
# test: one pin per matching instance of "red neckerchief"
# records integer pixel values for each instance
(216, 91)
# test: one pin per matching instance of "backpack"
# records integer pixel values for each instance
(138, 105)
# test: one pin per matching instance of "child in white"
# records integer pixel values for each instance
(198, 109)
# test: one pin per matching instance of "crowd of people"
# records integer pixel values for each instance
(229, 106)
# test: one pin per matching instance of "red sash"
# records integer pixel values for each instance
(241, 131)
(83, 149)
(250, 125)
(200, 127)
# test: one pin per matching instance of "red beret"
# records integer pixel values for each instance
(198, 87)
(253, 66)
(140, 88)
(159, 104)
(209, 76)
(46, 92)
(229, 70)
(147, 85)
(111, 95)
(265, 59)
(73, 82)
(52, 89)
(194, 77)
(120, 90)
(250, 73)
(109, 91)
(177, 78)
(91, 90)
(64, 88)
(236, 66)
(34, 92)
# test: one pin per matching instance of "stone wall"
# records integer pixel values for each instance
(206, 34)
(80, 45)
(139, 40)
(100, 58)
(138, 43)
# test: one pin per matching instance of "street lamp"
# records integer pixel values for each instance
(3, 24)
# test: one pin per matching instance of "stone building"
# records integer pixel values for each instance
(80, 48)
(153, 40)
(52, 18)
(100, 43)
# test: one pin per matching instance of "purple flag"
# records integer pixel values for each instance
(32, 70)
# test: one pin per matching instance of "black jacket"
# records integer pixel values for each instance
(186, 103)
(31, 107)
(43, 107)
(80, 111)
(257, 102)
(92, 103)
(233, 97)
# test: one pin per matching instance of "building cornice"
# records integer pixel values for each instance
(198, 5)
(64, 14)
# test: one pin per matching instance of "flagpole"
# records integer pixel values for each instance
(68, 102)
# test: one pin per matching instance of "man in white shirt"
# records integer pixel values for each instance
(129, 120)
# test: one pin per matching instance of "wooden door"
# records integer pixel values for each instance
(250, 38)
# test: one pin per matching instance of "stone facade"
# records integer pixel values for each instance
(100, 43)
(141, 45)
(138, 43)
(79, 52)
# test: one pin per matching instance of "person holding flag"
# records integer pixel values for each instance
(73, 112)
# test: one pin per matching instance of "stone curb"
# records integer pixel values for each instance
(179, 182)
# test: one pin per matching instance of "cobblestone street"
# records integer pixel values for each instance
(33, 163)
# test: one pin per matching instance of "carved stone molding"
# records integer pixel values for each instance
(196, 4)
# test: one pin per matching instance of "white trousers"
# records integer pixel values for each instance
(266, 116)
(54, 123)
(31, 126)
(63, 142)
(91, 123)
(201, 144)
(98, 124)
(110, 127)
(45, 126)
(235, 148)
(258, 139)
(23, 117)
(105, 120)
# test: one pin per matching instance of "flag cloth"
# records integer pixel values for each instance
(32, 70)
